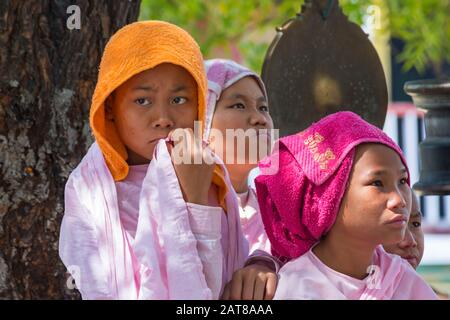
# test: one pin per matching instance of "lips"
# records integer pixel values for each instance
(157, 139)
(399, 220)
(413, 260)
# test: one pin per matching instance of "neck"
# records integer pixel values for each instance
(134, 159)
(345, 254)
(239, 178)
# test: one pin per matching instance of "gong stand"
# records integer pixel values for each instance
(433, 96)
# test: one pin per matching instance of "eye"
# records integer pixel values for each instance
(416, 224)
(404, 181)
(179, 100)
(237, 106)
(264, 108)
(377, 183)
(142, 101)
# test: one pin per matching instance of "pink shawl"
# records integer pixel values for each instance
(163, 261)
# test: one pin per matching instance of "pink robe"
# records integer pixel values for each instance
(309, 278)
(253, 229)
(177, 251)
(251, 221)
(208, 224)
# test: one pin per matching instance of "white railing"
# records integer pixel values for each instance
(405, 125)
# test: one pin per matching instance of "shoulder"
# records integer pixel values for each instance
(86, 166)
(80, 185)
(299, 268)
(411, 285)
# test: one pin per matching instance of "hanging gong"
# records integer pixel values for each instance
(320, 63)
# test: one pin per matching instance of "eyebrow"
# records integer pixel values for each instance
(145, 88)
(416, 214)
(384, 172)
(179, 88)
(261, 99)
(175, 89)
(244, 97)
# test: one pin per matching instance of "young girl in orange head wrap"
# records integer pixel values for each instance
(137, 223)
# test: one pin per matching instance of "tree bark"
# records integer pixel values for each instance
(47, 77)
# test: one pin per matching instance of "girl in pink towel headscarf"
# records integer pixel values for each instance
(341, 192)
(237, 102)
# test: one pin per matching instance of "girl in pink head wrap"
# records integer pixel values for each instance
(237, 102)
(341, 192)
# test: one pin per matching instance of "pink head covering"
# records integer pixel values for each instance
(222, 74)
(300, 202)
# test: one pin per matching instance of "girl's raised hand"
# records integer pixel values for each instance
(194, 165)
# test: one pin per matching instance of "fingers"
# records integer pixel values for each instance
(189, 144)
(271, 286)
(169, 135)
(176, 135)
(226, 292)
(176, 138)
(184, 144)
(249, 287)
(251, 283)
(236, 287)
(189, 149)
(260, 286)
(169, 142)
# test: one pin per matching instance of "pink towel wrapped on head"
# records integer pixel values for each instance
(300, 202)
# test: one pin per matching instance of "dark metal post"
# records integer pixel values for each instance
(434, 97)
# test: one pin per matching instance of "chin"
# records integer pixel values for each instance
(393, 237)
(387, 236)
(145, 158)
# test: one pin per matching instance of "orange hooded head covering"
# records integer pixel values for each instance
(134, 48)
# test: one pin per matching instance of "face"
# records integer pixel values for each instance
(150, 105)
(376, 206)
(243, 106)
(412, 246)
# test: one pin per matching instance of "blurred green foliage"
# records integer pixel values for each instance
(243, 30)
(424, 26)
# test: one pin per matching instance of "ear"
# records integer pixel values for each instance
(109, 108)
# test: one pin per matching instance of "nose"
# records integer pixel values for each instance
(397, 200)
(408, 240)
(161, 118)
(257, 119)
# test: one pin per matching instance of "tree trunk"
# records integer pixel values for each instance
(48, 72)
